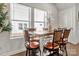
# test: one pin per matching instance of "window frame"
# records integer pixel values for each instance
(30, 17)
(18, 20)
(44, 17)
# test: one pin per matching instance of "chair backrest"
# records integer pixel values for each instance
(57, 35)
(48, 35)
(26, 35)
(66, 33)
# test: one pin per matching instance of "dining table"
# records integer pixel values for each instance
(42, 39)
(41, 35)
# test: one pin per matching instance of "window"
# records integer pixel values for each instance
(40, 19)
(20, 19)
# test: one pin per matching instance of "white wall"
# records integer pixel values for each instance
(67, 18)
(77, 22)
(7, 45)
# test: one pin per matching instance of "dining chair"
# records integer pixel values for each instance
(64, 40)
(32, 34)
(31, 45)
(53, 46)
(31, 31)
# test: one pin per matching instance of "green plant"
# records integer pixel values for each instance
(3, 18)
(7, 28)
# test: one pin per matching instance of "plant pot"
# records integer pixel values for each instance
(1, 29)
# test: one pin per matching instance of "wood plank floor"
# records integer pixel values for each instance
(73, 50)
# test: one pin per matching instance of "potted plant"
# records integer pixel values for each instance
(4, 23)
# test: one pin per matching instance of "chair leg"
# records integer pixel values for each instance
(43, 50)
(33, 52)
(40, 52)
(26, 52)
(66, 50)
(58, 52)
(29, 52)
(50, 52)
(61, 47)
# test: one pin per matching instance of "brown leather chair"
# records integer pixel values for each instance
(31, 45)
(64, 40)
(54, 46)
(32, 35)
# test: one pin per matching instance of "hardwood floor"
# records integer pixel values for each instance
(73, 50)
(20, 54)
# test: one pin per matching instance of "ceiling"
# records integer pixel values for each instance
(61, 6)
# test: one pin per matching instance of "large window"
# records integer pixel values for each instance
(20, 19)
(40, 19)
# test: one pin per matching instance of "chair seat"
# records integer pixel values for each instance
(49, 45)
(34, 42)
(33, 45)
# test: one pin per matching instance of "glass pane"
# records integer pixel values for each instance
(19, 27)
(25, 25)
(38, 15)
(20, 18)
(40, 19)
(21, 12)
(39, 26)
(45, 19)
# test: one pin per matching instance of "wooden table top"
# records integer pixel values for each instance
(40, 34)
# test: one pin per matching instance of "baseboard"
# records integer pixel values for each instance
(13, 52)
(74, 43)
